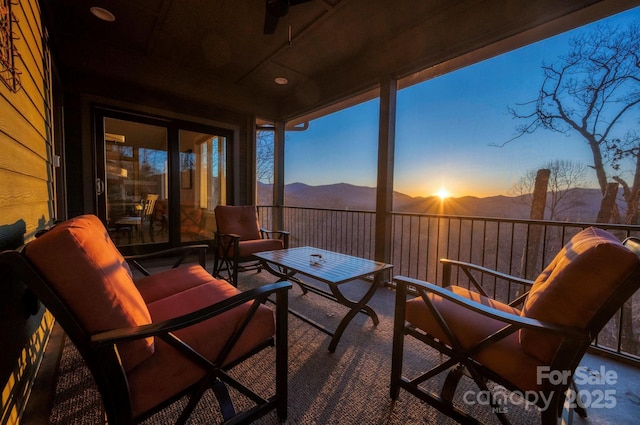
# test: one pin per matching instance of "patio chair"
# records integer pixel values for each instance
(152, 340)
(238, 236)
(143, 217)
(517, 346)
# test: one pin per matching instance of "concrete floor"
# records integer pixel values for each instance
(613, 390)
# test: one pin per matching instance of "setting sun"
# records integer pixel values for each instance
(443, 193)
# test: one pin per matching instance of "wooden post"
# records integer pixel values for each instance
(538, 205)
(278, 175)
(386, 148)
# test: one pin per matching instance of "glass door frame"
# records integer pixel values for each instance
(173, 126)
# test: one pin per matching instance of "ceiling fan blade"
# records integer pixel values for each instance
(276, 9)
(270, 23)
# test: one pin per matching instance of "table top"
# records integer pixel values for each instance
(332, 267)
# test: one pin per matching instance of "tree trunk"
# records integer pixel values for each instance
(607, 204)
(598, 165)
(538, 205)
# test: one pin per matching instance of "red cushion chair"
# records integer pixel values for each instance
(566, 307)
(239, 236)
(152, 340)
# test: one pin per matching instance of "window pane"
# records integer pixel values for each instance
(337, 148)
(203, 183)
(136, 169)
(264, 166)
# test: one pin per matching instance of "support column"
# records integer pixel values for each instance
(278, 175)
(384, 189)
(249, 195)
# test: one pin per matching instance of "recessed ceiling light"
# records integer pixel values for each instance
(103, 14)
(281, 80)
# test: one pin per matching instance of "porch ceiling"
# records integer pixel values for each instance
(215, 52)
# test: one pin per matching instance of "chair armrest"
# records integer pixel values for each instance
(467, 267)
(182, 252)
(226, 241)
(519, 322)
(281, 232)
(157, 329)
(220, 235)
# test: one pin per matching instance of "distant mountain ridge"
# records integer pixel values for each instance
(352, 197)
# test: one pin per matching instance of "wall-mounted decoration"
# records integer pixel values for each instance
(9, 74)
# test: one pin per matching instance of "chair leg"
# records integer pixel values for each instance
(282, 353)
(234, 278)
(580, 408)
(224, 399)
(398, 341)
(151, 237)
(216, 259)
(549, 416)
(451, 382)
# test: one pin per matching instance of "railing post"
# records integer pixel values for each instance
(386, 148)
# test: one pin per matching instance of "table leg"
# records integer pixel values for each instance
(287, 274)
(356, 307)
(335, 295)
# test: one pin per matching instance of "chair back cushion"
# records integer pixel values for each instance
(574, 287)
(240, 220)
(83, 266)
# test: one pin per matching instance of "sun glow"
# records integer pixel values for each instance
(443, 193)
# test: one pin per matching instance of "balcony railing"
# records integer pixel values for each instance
(517, 247)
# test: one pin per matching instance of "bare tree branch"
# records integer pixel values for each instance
(592, 91)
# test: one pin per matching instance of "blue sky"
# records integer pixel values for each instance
(445, 130)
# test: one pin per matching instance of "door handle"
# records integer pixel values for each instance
(99, 186)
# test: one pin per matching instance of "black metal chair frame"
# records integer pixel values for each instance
(100, 353)
(226, 258)
(460, 362)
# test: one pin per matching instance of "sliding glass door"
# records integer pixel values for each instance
(158, 181)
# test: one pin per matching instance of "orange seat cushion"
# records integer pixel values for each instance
(170, 282)
(147, 386)
(504, 357)
(239, 220)
(91, 277)
(247, 248)
(579, 280)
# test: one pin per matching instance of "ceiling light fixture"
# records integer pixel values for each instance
(281, 80)
(102, 14)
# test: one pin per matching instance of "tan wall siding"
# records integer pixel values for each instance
(26, 173)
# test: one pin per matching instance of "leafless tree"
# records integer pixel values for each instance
(565, 177)
(594, 91)
(264, 156)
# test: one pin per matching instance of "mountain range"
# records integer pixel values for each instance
(352, 197)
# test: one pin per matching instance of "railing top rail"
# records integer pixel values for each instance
(582, 224)
(320, 209)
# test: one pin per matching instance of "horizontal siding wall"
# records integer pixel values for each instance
(26, 174)
(26, 201)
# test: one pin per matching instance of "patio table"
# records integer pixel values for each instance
(333, 269)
